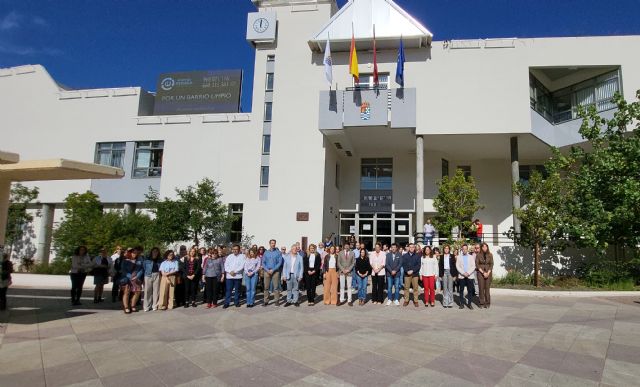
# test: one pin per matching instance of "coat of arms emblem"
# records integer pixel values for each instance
(365, 111)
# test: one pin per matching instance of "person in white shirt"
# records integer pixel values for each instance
(234, 268)
(81, 264)
(428, 272)
(330, 276)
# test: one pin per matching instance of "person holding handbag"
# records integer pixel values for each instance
(131, 281)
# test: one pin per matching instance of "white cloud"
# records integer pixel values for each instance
(10, 21)
(22, 50)
(39, 21)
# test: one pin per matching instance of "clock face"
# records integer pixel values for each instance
(261, 25)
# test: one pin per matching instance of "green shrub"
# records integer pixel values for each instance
(57, 266)
(514, 277)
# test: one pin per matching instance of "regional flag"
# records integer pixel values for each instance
(328, 63)
(353, 60)
(376, 81)
(400, 65)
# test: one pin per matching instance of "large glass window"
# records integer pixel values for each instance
(110, 154)
(376, 173)
(148, 159)
(562, 105)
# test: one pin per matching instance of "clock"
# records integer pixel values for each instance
(260, 25)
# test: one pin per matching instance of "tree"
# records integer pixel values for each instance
(542, 217)
(456, 203)
(605, 174)
(196, 214)
(85, 223)
(17, 216)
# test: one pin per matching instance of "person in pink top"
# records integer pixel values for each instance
(377, 259)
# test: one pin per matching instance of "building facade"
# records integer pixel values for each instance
(313, 160)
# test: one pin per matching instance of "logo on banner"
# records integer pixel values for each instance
(167, 83)
(365, 111)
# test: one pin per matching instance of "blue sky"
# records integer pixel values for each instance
(111, 43)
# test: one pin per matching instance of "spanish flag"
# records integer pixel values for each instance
(353, 60)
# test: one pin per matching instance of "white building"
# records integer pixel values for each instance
(297, 166)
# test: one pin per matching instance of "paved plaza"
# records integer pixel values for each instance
(520, 341)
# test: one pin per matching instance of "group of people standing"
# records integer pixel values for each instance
(171, 280)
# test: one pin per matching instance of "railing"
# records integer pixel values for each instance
(490, 238)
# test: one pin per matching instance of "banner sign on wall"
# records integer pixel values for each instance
(196, 92)
(376, 200)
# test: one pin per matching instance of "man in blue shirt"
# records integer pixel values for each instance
(271, 264)
(411, 266)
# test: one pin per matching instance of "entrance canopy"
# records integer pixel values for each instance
(57, 169)
(12, 169)
(359, 16)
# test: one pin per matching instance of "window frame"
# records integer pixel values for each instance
(266, 82)
(270, 110)
(154, 145)
(264, 168)
(111, 150)
(266, 150)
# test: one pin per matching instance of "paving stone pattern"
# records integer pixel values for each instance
(520, 341)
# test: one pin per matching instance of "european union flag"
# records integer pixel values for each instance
(400, 65)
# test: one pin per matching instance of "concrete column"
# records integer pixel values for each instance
(44, 234)
(515, 178)
(129, 208)
(5, 193)
(419, 186)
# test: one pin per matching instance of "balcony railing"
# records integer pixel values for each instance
(395, 108)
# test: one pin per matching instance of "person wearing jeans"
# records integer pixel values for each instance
(271, 265)
(466, 267)
(363, 268)
(233, 268)
(346, 264)
(292, 270)
(393, 265)
(81, 263)
(447, 272)
(251, 269)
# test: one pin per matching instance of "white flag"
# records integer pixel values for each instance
(328, 63)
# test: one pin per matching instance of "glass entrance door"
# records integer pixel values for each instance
(370, 228)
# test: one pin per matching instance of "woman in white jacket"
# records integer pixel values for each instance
(428, 272)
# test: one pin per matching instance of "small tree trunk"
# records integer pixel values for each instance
(536, 264)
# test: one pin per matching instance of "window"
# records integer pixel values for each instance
(445, 167)
(269, 82)
(266, 144)
(148, 159)
(264, 177)
(366, 81)
(337, 176)
(268, 107)
(110, 154)
(562, 105)
(466, 169)
(271, 58)
(376, 173)
(235, 210)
